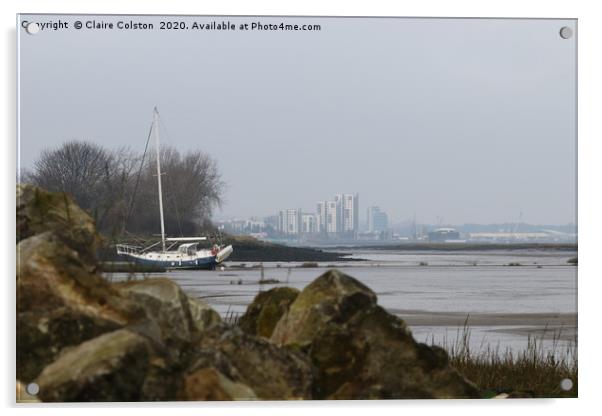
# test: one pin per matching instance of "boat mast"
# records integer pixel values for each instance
(158, 148)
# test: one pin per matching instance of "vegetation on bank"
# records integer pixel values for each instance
(533, 372)
(118, 188)
(252, 250)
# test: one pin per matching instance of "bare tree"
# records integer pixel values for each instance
(192, 188)
(97, 179)
(119, 189)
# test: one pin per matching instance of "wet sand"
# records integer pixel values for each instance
(541, 325)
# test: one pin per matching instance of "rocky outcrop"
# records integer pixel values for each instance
(383, 361)
(41, 337)
(265, 311)
(82, 338)
(359, 350)
(202, 315)
(272, 372)
(333, 297)
(111, 367)
(210, 384)
(177, 315)
(60, 302)
(39, 211)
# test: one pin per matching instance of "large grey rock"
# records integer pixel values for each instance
(61, 303)
(359, 350)
(41, 337)
(374, 356)
(333, 297)
(111, 367)
(51, 274)
(265, 311)
(177, 315)
(165, 303)
(210, 384)
(39, 211)
(202, 315)
(273, 373)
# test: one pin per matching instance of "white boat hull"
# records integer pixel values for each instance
(201, 259)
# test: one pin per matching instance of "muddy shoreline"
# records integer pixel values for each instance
(562, 326)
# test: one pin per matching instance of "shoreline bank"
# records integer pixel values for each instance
(561, 326)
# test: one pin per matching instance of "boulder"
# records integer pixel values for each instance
(41, 337)
(332, 297)
(202, 315)
(359, 350)
(374, 356)
(165, 303)
(111, 367)
(163, 375)
(51, 274)
(265, 311)
(273, 373)
(210, 384)
(39, 211)
(61, 303)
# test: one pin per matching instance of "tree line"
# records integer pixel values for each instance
(119, 187)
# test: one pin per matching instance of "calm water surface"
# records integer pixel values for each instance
(458, 282)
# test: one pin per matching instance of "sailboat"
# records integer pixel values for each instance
(175, 252)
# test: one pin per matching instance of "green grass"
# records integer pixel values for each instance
(533, 371)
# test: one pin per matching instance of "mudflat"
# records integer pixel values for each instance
(542, 325)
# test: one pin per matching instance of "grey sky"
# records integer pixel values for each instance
(469, 120)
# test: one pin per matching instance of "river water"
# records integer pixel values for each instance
(429, 288)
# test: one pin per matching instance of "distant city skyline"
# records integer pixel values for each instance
(468, 120)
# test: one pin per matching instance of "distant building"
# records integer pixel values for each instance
(289, 221)
(442, 235)
(338, 217)
(321, 217)
(242, 226)
(350, 214)
(272, 221)
(332, 217)
(378, 221)
(338, 199)
(309, 223)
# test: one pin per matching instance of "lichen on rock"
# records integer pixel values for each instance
(359, 350)
(272, 372)
(39, 211)
(111, 367)
(332, 297)
(265, 311)
(210, 384)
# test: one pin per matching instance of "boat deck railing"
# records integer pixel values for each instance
(127, 249)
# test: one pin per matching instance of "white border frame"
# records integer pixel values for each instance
(589, 212)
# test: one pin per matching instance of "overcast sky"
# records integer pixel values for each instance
(467, 120)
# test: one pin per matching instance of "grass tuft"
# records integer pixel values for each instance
(534, 371)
